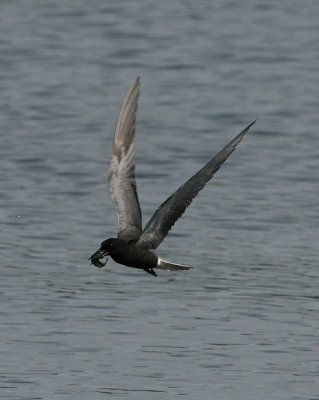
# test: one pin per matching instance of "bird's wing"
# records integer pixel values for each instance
(122, 171)
(172, 208)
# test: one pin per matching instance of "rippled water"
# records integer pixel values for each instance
(244, 323)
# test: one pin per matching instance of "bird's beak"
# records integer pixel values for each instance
(97, 256)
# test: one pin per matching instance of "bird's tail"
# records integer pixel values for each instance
(162, 264)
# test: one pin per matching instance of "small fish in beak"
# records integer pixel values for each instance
(97, 257)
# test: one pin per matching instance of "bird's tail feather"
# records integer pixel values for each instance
(162, 264)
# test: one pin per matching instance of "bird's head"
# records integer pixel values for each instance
(107, 247)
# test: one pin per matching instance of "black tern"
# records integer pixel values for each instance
(135, 247)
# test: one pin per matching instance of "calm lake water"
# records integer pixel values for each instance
(243, 324)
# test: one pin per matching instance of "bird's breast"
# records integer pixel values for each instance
(136, 258)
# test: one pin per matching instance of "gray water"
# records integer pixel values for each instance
(243, 324)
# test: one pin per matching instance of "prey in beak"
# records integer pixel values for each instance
(98, 256)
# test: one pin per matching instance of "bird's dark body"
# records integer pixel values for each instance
(134, 246)
(130, 255)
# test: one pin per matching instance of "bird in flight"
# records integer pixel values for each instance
(134, 246)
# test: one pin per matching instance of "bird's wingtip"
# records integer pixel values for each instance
(251, 124)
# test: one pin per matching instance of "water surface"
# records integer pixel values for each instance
(243, 324)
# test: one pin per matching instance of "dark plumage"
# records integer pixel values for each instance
(134, 247)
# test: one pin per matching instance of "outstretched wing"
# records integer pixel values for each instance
(169, 212)
(122, 171)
